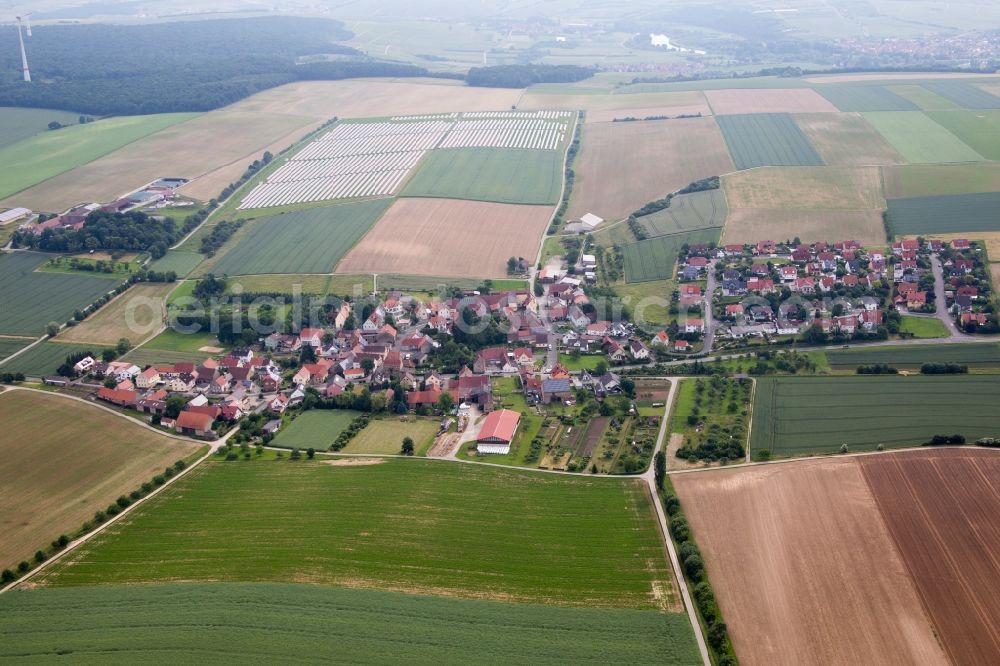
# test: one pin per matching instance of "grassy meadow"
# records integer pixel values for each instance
(262, 622)
(316, 428)
(17, 123)
(385, 436)
(42, 156)
(404, 525)
(489, 174)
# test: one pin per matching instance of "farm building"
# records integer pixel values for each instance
(587, 223)
(14, 214)
(498, 432)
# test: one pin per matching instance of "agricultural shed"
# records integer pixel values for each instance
(497, 432)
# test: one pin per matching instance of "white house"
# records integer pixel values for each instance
(84, 364)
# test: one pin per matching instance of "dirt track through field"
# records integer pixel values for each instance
(448, 237)
(804, 568)
(941, 507)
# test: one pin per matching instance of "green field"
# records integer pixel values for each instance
(974, 355)
(923, 327)
(175, 341)
(385, 436)
(142, 356)
(919, 139)
(980, 130)
(865, 98)
(276, 622)
(405, 525)
(688, 212)
(931, 179)
(816, 415)
(17, 124)
(339, 285)
(30, 300)
(432, 284)
(489, 174)
(767, 139)
(944, 214)
(655, 258)
(964, 94)
(308, 241)
(42, 156)
(9, 346)
(316, 428)
(178, 261)
(924, 98)
(45, 358)
(649, 302)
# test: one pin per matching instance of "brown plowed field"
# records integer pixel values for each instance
(450, 238)
(941, 508)
(804, 568)
(623, 166)
(779, 100)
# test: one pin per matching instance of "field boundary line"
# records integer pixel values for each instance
(24, 349)
(213, 447)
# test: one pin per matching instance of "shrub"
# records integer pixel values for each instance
(7, 576)
(23, 567)
(694, 567)
(39, 556)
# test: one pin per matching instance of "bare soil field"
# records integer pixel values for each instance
(940, 507)
(846, 139)
(449, 237)
(623, 166)
(803, 567)
(749, 225)
(779, 100)
(601, 108)
(364, 98)
(136, 314)
(595, 430)
(228, 136)
(806, 188)
(61, 461)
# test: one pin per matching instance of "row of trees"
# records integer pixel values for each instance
(522, 76)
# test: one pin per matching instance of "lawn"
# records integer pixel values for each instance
(308, 241)
(489, 174)
(172, 340)
(315, 429)
(655, 258)
(648, 302)
(919, 139)
(865, 98)
(17, 124)
(178, 261)
(43, 359)
(767, 139)
(403, 525)
(944, 214)
(386, 436)
(267, 622)
(582, 361)
(688, 212)
(974, 355)
(923, 327)
(62, 461)
(135, 315)
(29, 300)
(42, 156)
(980, 130)
(816, 415)
(964, 94)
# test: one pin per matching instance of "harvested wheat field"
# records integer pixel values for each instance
(806, 188)
(846, 139)
(749, 225)
(450, 238)
(778, 100)
(60, 463)
(803, 567)
(940, 507)
(135, 314)
(623, 166)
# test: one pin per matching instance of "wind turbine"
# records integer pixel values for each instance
(24, 54)
(27, 23)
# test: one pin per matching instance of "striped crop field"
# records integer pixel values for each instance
(919, 139)
(964, 94)
(269, 622)
(817, 415)
(944, 214)
(372, 159)
(688, 212)
(909, 357)
(655, 258)
(767, 139)
(866, 98)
